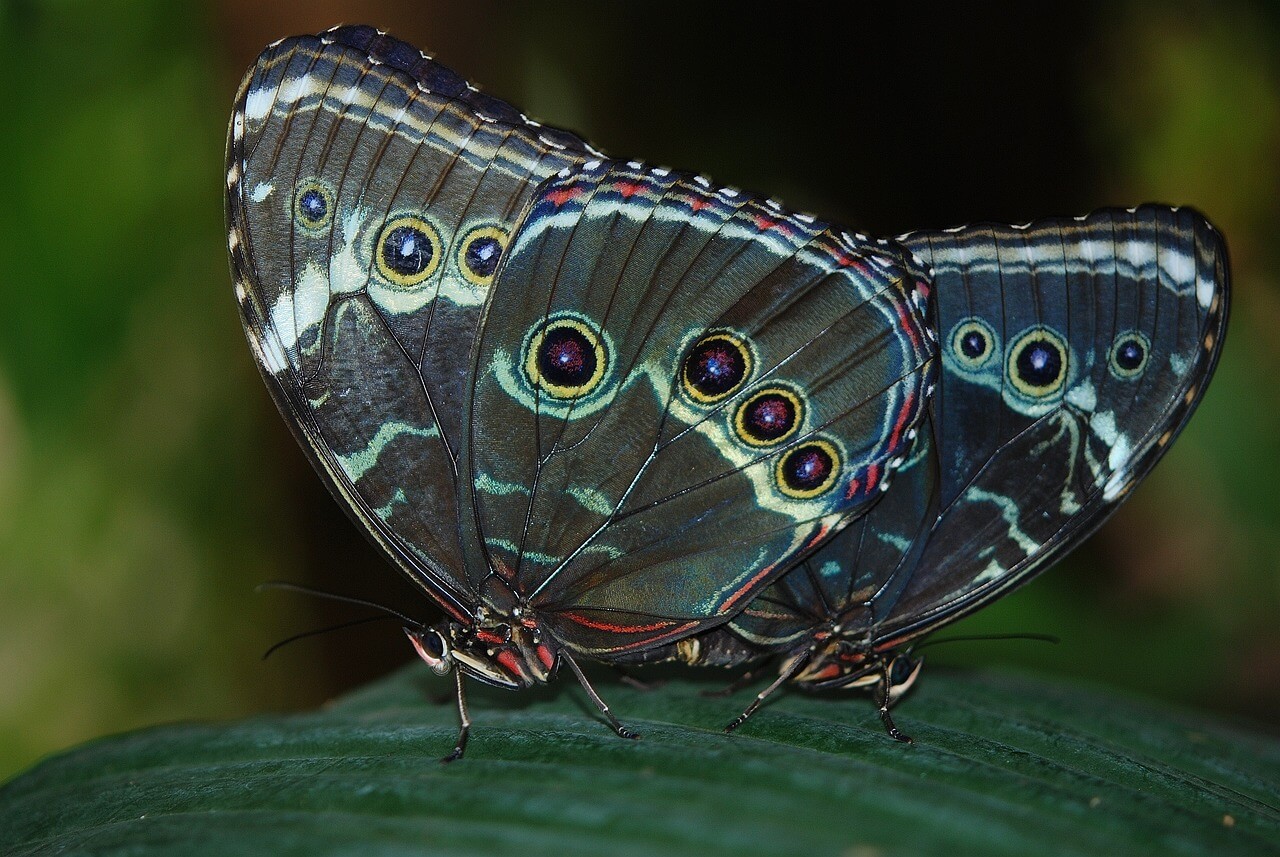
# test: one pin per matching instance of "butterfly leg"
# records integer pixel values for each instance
(883, 701)
(622, 731)
(755, 703)
(464, 730)
(788, 670)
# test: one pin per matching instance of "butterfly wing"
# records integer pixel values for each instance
(1073, 353)
(678, 389)
(370, 195)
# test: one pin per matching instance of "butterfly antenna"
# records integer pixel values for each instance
(350, 623)
(333, 596)
(969, 638)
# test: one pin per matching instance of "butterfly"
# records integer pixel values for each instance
(1073, 353)
(588, 407)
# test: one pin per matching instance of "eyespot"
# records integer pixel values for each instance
(715, 367)
(1129, 354)
(769, 416)
(809, 470)
(408, 250)
(973, 344)
(565, 358)
(480, 252)
(1037, 363)
(313, 205)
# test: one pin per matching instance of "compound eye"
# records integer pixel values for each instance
(432, 647)
(566, 358)
(903, 672)
(408, 250)
(1129, 354)
(715, 367)
(313, 205)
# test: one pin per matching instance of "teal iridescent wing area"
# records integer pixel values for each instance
(1073, 352)
(679, 388)
(371, 194)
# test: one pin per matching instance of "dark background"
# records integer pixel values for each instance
(146, 482)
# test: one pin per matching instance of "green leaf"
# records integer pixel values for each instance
(1001, 764)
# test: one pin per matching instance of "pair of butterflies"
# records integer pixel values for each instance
(598, 409)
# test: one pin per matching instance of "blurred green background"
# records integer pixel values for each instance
(147, 483)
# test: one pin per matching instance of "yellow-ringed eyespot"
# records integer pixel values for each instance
(479, 253)
(809, 470)
(1129, 354)
(769, 416)
(973, 343)
(1037, 363)
(565, 358)
(715, 367)
(313, 205)
(407, 250)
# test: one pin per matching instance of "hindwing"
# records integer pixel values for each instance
(678, 389)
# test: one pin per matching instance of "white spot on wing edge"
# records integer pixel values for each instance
(258, 103)
(268, 353)
(1115, 486)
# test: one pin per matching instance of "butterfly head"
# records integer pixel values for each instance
(510, 655)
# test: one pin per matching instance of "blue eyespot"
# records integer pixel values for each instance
(479, 253)
(809, 470)
(408, 250)
(1037, 363)
(312, 205)
(973, 344)
(1129, 354)
(769, 416)
(565, 358)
